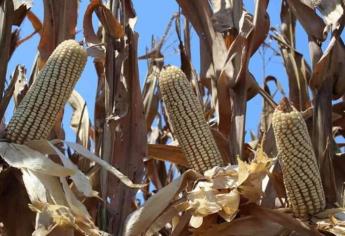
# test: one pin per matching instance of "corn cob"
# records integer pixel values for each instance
(35, 116)
(187, 120)
(297, 158)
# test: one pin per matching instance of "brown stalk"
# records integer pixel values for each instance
(6, 15)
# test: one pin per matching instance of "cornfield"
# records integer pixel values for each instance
(171, 152)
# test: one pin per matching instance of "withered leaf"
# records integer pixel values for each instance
(140, 220)
(310, 21)
(35, 21)
(20, 11)
(110, 24)
(80, 120)
(167, 153)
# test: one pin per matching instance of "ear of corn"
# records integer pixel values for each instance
(187, 120)
(296, 155)
(36, 114)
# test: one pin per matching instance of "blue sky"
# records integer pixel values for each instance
(153, 16)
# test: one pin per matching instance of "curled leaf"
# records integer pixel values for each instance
(142, 219)
(35, 21)
(81, 181)
(80, 121)
(23, 157)
(110, 24)
(89, 155)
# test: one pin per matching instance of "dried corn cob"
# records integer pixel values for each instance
(36, 114)
(187, 120)
(295, 152)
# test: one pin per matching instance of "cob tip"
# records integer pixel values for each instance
(171, 71)
(284, 105)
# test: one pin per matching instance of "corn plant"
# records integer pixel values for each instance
(175, 156)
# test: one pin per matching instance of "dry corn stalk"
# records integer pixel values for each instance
(36, 114)
(187, 120)
(296, 155)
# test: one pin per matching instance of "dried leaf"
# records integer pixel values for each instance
(99, 113)
(199, 14)
(21, 86)
(310, 21)
(250, 176)
(20, 10)
(16, 79)
(35, 21)
(38, 172)
(35, 189)
(226, 81)
(162, 220)
(76, 206)
(96, 51)
(150, 98)
(140, 220)
(89, 32)
(281, 218)
(21, 156)
(202, 201)
(323, 67)
(167, 153)
(221, 190)
(298, 72)
(267, 110)
(110, 24)
(81, 181)
(275, 189)
(186, 65)
(338, 71)
(288, 23)
(223, 177)
(53, 188)
(58, 215)
(261, 24)
(87, 154)
(205, 200)
(80, 121)
(226, 14)
(315, 51)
